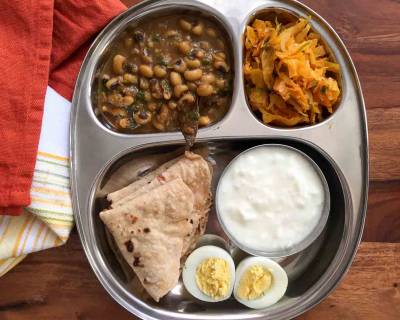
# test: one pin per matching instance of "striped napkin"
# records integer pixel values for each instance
(47, 222)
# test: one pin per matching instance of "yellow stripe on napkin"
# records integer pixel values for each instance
(47, 222)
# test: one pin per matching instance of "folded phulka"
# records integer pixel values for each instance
(150, 231)
(157, 220)
(195, 173)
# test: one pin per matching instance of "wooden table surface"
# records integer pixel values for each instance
(58, 283)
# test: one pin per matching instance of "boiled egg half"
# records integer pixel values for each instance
(209, 274)
(260, 282)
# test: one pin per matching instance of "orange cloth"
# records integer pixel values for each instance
(41, 42)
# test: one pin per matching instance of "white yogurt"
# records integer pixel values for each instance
(270, 198)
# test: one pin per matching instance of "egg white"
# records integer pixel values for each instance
(194, 260)
(274, 293)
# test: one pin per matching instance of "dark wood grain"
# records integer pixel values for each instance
(383, 214)
(370, 291)
(59, 284)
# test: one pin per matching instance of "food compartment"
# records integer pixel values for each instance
(168, 67)
(304, 269)
(291, 76)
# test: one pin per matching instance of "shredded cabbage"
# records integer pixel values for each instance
(290, 77)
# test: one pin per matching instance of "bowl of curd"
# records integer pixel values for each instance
(272, 200)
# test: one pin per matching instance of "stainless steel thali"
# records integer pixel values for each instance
(339, 145)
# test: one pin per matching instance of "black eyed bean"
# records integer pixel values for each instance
(163, 115)
(204, 120)
(118, 100)
(198, 29)
(175, 78)
(172, 33)
(193, 63)
(130, 78)
(184, 47)
(112, 83)
(172, 105)
(180, 65)
(205, 90)
(221, 66)
(193, 75)
(124, 123)
(180, 89)
(146, 71)
(208, 78)
(127, 101)
(142, 117)
(118, 64)
(187, 99)
(219, 56)
(159, 71)
(185, 25)
(199, 54)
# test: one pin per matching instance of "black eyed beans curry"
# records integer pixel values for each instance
(158, 68)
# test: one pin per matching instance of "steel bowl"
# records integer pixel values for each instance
(303, 244)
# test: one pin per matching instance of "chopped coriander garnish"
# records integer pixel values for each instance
(165, 85)
(161, 60)
(140, 96)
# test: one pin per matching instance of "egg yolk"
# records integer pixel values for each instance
(255, 281)
(213, 277)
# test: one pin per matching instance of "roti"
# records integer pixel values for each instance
(195, 173)
(157, 220)
(150, 230)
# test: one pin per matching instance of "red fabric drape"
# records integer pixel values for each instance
(42, 42)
